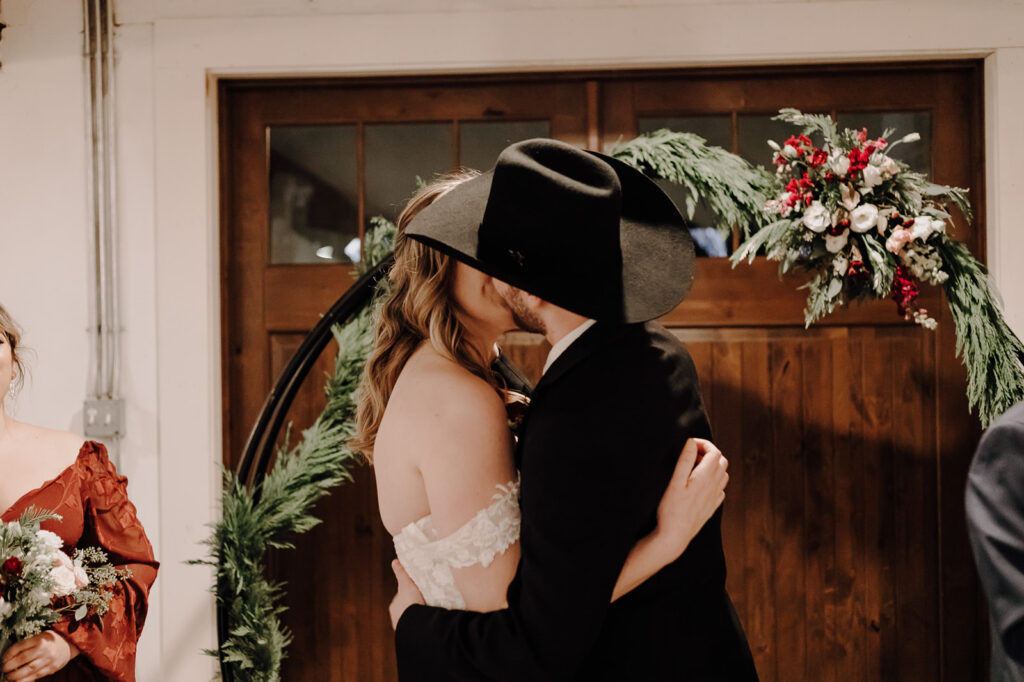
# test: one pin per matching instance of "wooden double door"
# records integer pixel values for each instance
(848, 442)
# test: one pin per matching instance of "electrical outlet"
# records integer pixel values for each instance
(103, 417)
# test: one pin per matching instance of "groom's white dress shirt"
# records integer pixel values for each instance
(565, 342)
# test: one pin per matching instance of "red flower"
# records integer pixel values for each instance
(904, 291)
(819, 157)
(13, 566)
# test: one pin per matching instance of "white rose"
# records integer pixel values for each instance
(63, 579)
(836, 244)
(816, 217)
(50, 540)
(863, 218)
(850, 197)
(872, 177)
(840, 165)
(922, 228)
(889, 167)
(81, 577)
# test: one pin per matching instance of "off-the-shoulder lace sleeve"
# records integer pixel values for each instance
(111, 524)
(489, 533)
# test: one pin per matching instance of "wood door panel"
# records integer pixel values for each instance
(829, 525)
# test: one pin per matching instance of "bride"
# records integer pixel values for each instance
(432, 420)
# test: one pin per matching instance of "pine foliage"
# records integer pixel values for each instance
(991, 352)
(734, 189)
(254, 520)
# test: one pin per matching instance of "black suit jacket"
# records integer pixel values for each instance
(995, 520)
(602, 436)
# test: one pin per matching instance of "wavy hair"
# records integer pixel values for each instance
(12, 333)
(418, 307)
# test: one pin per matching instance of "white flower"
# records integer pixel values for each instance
(888, 168)
(816, 217)
(911, 137)
(872, 177)
(50, 540)
(63, 579)
(863, 218)
(5, 609)
(882, 221)
(840, 165)
(850, 197)
(789, 152)
(834, 287)
(922, 228)
(81, 577)
(836, 244)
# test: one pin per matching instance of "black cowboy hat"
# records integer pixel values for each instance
(576, 228)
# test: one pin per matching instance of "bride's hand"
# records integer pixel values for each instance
(408, 594)
(696, 490)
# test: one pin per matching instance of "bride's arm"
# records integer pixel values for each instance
(692, 496)
(466, 457)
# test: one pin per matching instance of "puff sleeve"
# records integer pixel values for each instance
(110, 523)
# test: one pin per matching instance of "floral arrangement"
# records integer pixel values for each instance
(864, 225)
(40, 584)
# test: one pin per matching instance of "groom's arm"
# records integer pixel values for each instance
(597, 470)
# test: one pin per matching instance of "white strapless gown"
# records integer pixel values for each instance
(429, 560)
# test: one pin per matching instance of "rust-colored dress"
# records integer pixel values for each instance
(92, 500)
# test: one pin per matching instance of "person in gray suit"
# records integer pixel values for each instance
(995, 522)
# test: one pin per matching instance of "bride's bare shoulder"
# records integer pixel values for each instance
(437, 388)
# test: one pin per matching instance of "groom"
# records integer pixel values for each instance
(585, 250)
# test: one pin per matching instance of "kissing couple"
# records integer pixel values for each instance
(583, 543)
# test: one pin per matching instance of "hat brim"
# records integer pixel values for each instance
(658, 257)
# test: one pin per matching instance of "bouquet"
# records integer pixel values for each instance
(40, 584)
(862, 224)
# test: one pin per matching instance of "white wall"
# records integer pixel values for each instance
(169, 56)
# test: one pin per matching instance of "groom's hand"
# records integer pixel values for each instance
(408, 593)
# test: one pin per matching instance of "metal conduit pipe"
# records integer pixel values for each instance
(103, 412)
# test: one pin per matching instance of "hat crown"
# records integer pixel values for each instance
(553, 207)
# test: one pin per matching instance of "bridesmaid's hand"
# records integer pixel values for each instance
(37, 656)
(696, 490)
(408, 594)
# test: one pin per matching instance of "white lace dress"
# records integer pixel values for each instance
(429, 560)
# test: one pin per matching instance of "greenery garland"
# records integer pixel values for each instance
(254, 520)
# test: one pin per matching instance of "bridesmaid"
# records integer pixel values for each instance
(77, 481)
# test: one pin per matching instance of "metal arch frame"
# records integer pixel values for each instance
(259, 449)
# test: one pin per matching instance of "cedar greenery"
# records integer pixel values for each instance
(254, 520)
(733, 189)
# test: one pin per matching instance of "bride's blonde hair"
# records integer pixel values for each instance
(419, 306)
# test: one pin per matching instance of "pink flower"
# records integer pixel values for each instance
(898, 239)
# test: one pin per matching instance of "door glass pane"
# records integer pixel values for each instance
(917, 155)
(313, 193)
(400, 156)
(717, 130)
(480, 142)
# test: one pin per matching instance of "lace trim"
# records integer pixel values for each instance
(429, 559)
